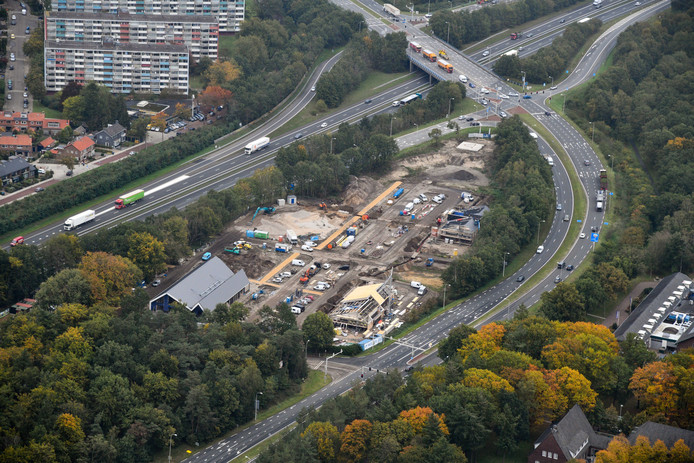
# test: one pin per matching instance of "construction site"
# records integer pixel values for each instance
(369, 259)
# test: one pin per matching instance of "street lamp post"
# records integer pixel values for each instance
(449, 106)
(331, 144)
(306, 348)
(592, 129)
(563, 105)
(444, 294)
(538, 233)
(448, 38)
(391, 124)
(550, 88)
(416, 126)
(256, 405)
(523, 72)
(429, 7)
(503, 273)
(170, 440)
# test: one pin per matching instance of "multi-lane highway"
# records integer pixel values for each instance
(399, 354)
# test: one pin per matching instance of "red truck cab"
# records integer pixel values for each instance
(16, 241)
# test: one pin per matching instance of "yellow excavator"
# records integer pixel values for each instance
(442, 54)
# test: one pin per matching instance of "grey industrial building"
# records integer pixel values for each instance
(208, 285)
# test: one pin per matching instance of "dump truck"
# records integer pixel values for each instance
(603, 179)
(445, 65)
(256, 145)
(430, 55)
(130, 198)
(388, 8)
(80, 219)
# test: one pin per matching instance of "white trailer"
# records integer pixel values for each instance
(388, 8)
(291, 237)
(79, 219)
(256, 145)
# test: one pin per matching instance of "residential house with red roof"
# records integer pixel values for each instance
(81, 149)
(21, 144)
(22, 122)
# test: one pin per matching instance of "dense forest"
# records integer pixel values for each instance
(497, 387)
(98, 378)
(641, 109)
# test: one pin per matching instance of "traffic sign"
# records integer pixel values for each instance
(594, 237)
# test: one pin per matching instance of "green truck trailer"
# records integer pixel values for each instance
(129, 198)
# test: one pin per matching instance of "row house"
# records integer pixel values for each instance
(20, 144)
(21, 121)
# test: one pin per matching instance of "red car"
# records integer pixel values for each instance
(18, 240)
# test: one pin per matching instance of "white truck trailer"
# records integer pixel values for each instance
(256, 145)
(80, 219)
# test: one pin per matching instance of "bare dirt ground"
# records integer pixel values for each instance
(302, 220)
(447, 166)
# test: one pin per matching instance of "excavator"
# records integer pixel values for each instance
(442, 54)
(323, 206)
(267, 210)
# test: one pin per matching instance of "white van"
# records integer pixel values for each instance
(415, 284)
(462, 78)
(298, 262)
(550, 161)
(297, 310)
(24, 11)
(422, 290)
(408, 208)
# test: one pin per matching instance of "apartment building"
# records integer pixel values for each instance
(197, 32)
(123, 67)
(229, 13)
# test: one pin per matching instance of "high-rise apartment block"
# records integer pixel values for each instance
(124, 68)
(229, 13)
(199, 33)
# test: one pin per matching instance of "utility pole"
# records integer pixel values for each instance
(503, 273)
(170, 440)
(256, 405)
(391, 124)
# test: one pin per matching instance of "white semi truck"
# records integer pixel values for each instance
(79, 219)
(388, 8)
(256, 145)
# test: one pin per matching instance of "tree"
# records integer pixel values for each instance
(221, 73)
(563, 303)
(67, 286)
(159, 121)
(417, 417)
(487, 380)
(110, 277)
(449, 346)
(214, 95)
(182, 111)
(355, 440)
(73, 109)
(435, 134)
(71, 89)
(325, 437)
(138, 129)
(61, 252)
(655, 386)
(147, 253)
(319, 330)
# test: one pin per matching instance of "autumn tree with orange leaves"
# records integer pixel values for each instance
(355, 440)
(325, 437)
(215, 95)
(620, 451)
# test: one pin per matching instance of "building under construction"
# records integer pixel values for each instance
(362, 307)
(459, 226)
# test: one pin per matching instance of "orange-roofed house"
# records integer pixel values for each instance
(81, 148)
(24, 121)
(46, 143)
(21, 144)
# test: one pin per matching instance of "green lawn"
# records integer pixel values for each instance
(313, 383)
(52, 113)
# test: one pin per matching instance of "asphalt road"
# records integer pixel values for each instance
(223, 167)
(21, 64)
(542, 35)
(407, 349)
